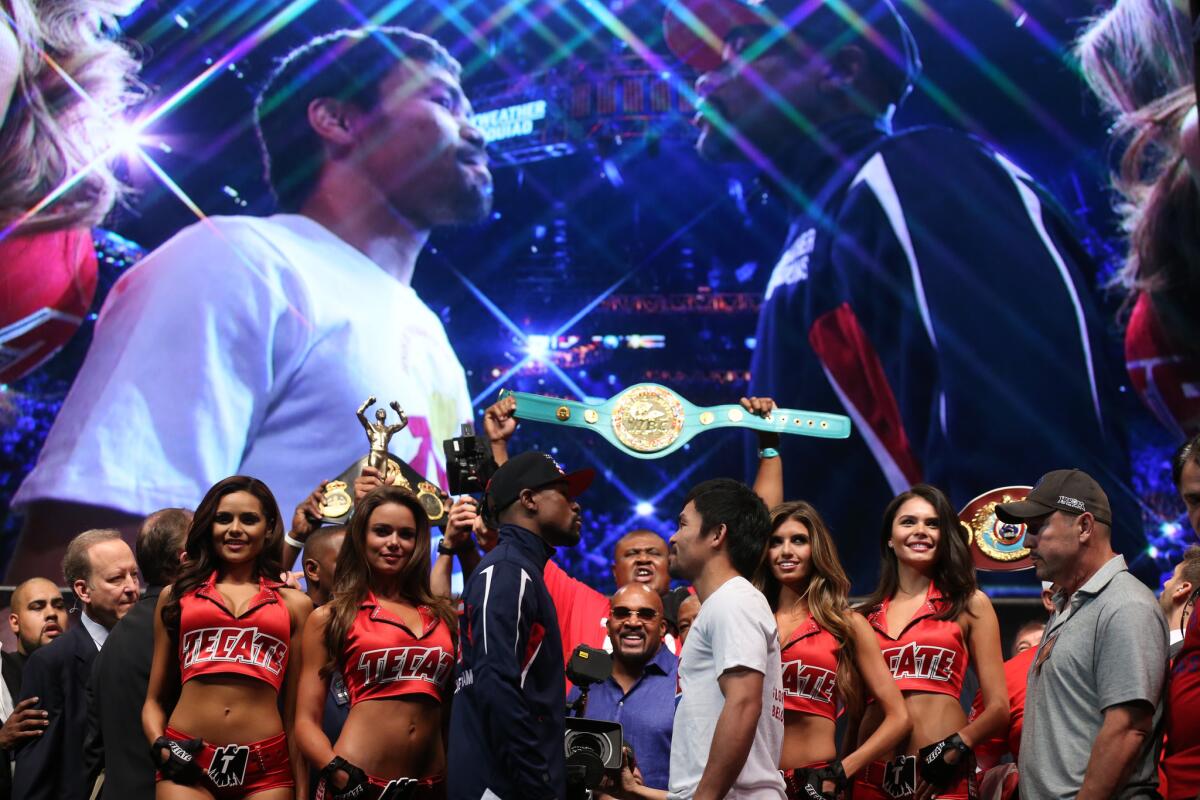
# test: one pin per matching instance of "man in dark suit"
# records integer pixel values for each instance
(114, 742)
(100, 569)
(37, 616)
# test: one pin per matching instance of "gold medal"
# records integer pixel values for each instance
(647, 418)
(430, 498)
(337, 500)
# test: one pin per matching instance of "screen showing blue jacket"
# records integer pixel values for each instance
(934, 293)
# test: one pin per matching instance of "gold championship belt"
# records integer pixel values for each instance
(339, 500)
(996, 546)
(651, 421)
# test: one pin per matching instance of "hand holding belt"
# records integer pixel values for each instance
(651, 421)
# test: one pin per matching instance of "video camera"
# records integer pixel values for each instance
(592, 745)
(468, 464)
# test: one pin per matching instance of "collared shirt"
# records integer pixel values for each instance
(646, 713)
(1105, 645)
(98, 632)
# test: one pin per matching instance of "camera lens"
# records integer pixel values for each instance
(585, 743)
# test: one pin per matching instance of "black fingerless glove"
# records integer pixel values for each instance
(935, 770)
(812, 781)
(180, 764)
(356, 780)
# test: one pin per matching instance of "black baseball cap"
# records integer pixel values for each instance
(532, 470)
(1070, 490)
(696, 31)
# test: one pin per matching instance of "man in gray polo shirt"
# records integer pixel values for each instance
(1094, 689)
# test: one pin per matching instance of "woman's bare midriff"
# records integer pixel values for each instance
(807, 739)
(399, 737)
(227, 709)
(934, 717)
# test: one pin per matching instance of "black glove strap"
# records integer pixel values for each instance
(933, 765)
(180, 764)
(356, 779)
(834, 772)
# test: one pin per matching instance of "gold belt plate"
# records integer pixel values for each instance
(647, 418)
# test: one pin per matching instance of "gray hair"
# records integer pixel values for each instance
(77, 564)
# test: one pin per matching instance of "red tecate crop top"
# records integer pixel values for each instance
(212, 641)
(929, 655)
(383, 658)
(810, 661)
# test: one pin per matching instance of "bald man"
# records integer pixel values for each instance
(319, 559)
(641, 692)
(639, 557)
(37, 616)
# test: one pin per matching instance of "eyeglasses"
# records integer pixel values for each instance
(643, 614)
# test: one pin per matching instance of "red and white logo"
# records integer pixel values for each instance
(391, 664)
(807, 681)
(237, 645)
(920, 661)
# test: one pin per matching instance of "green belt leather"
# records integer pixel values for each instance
(651, 421)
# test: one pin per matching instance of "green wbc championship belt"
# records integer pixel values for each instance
(651, 421)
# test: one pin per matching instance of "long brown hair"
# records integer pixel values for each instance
(202, 559)
(827, 594)
(352, 575)
(953, 569)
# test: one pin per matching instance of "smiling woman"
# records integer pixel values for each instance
(222, 636)
(393, 642)
(929, 619)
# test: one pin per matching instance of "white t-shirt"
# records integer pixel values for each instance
(245, 345)
(735, 628)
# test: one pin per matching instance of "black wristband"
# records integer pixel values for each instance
(457, 551)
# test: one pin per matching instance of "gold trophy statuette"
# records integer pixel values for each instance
(379, 433)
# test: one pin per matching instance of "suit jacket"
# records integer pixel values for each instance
(114, 741)
(50, 767)
(11, 667)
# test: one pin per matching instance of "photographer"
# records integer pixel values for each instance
(640, 694)
(507, 723)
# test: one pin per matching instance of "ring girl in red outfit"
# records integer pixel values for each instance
(222, 636)
(829, 656)
(930, 618)
(394, 642)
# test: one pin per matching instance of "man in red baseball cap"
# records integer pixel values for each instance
(893, 299)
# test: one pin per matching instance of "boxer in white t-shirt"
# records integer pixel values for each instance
(243, 344)
(730, 683)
